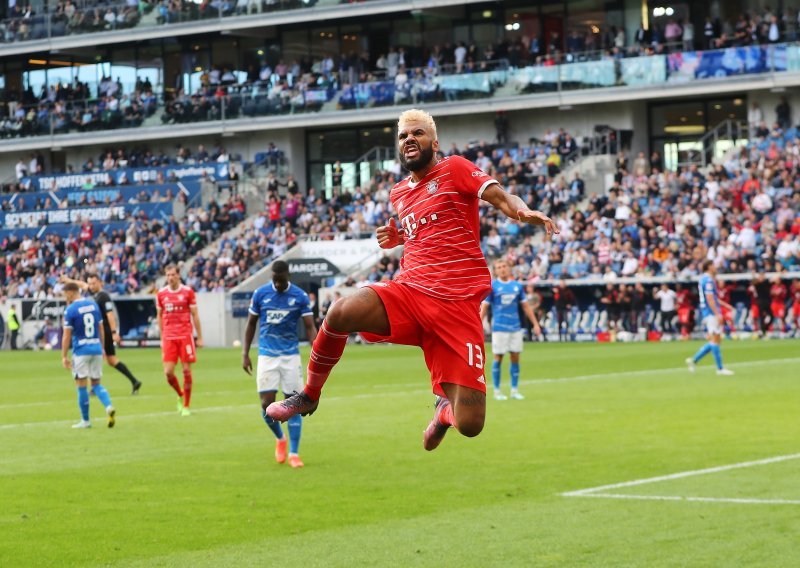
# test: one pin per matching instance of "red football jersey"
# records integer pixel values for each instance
(439, 216)
(778, 292)
(796, 291)
(176, 316)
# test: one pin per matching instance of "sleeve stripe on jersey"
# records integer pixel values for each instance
(252, 312)
(307, 314)
(486, 184)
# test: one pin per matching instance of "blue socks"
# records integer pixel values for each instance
(102, 395)
(709, 348)
(272, 424)
(715, 351)
(514, 375)
(496, 374)
(295, 426)
(704, 350)
(83, 402)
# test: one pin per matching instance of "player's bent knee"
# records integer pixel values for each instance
(471, 427)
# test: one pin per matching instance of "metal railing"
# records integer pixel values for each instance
(283, 96)
(727, 134)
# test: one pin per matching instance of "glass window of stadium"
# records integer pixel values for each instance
(348, 147)
(677, 129)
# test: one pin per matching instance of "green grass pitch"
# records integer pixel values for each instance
(161, 490)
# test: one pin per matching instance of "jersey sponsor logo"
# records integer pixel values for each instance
(507, 299)
(479, 173)
(275, 317)
(433, 187)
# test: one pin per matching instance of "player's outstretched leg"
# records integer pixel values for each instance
(105, 399)
(123, 368)
(361, 312)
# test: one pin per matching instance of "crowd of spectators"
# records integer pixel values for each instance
(400, 75)
(129, 260)
(63, 108)
(111, 159)
(743, 215)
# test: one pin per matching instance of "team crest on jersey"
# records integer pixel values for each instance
(433, 187)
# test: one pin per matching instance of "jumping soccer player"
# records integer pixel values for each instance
(711, 312)
(110, 328)
(505, 299)
(276, 309)
(83, 331)
(434, 300)
(176, 306)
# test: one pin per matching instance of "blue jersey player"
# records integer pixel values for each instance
(83, 331)
(505, 300)
(712, 318)
(275, 310)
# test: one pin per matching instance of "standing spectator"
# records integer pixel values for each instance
(783, 114)
(501, 126)
(13, 326)
(710, 33)
(666, 298)
(688, 35)
(638, 305)
(21, 169)
(564, 300)
(755, 116)
(673, 33)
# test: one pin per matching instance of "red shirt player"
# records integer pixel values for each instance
(685, 301)
(724, 290)
(434, 301)
(778, 294)
(176, 306)
(796, 306)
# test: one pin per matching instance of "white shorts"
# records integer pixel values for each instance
(712, 325)
(87, 366)
(279, 373)
(506, 341)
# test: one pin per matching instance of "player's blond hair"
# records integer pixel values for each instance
(419, 115)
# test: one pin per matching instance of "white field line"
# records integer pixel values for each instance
(530, 382)
(740, 500)
(600, 491)
(624, 374)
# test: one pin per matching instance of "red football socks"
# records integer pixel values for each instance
(173, 382)
(325, 353)
(187, 387)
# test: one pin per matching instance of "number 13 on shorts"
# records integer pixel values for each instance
(475, 355)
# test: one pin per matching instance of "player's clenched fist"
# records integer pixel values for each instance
(389, 235)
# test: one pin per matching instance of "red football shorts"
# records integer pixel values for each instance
(778, 310)
(174, 350)
(755, 312)
(450, 333)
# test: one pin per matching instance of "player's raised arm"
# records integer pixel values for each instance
(515, 208)
(64, 279)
